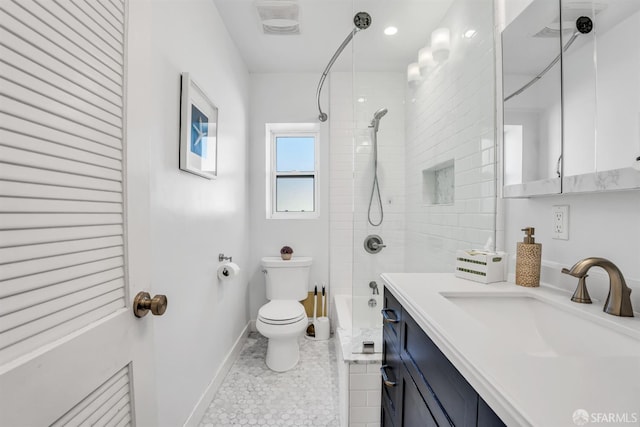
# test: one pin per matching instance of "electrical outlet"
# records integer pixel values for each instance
(560, 224)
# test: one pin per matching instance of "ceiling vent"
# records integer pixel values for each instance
(279, 16)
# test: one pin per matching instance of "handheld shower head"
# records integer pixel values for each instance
(376, 118)
(380, 113)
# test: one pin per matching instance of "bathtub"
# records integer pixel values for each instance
(368, 321)
(359, 383)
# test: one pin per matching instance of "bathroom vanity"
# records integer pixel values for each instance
(421, 387)
(462, 353)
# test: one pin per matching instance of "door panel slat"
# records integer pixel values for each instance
(40, 265)
(108, 10)
(78, 412)
(78, 26)
(35, 130)
(85, 40)
(109, 92)
(47, 220)
(28, 143)
(30, 252)
(39, 176)
(53, 121)
(41, 311)
(43, 161)
(109, 27)
(25, 205)
(24, 284)
(9, 238)
(59, 35)
(47, 91)
(38, 296)
(60, 109)
(77, 62)
(94, 95)
(52, 192)
(110, 407)
(81, 414)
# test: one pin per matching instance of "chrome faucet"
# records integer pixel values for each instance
(374, 286)
(618, 301)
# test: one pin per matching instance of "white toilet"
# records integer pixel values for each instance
(283, 319)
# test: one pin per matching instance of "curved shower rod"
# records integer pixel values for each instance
(584, 25)
(361, 20)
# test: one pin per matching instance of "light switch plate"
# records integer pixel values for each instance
(560, 222)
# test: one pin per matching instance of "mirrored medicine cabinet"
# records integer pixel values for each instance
(571, 86)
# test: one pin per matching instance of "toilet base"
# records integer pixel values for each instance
(282, 354)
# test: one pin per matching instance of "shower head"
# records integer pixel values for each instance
(362, 20)
(376, 118)
(380, 113)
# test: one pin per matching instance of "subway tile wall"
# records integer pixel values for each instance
(352, 173)
(450, 116)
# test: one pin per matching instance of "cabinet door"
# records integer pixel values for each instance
(433, 371)
(415, 412)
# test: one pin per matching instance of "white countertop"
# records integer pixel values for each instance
(527, 388)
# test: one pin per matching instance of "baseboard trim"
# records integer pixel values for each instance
(201, 407)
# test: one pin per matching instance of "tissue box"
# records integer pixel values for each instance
(481, 266)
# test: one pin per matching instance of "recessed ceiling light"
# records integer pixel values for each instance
(470, 33)
(362, 99)
(390, 31)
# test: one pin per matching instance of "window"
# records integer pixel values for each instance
(292, 160)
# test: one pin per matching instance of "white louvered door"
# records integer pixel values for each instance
(70, 348)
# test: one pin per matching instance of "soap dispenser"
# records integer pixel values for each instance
(528, 260)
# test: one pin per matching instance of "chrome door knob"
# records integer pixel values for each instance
(143, 302)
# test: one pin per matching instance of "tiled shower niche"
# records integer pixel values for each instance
(438, 184)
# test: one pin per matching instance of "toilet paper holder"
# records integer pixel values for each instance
(221, 258)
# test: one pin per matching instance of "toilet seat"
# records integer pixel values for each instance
(281, 312)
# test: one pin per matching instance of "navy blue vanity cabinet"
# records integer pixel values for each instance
(433, 372)
(486, 416)
(403, 404)
(422, 387)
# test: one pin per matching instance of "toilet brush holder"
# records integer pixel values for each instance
(322, 328)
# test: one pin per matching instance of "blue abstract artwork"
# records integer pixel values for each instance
(199, 129)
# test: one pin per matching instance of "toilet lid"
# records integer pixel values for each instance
(281, 310)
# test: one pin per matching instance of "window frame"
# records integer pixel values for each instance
(274, 131)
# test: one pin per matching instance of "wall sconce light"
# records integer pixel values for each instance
(425, 59)
(413, 72)
(440, 44)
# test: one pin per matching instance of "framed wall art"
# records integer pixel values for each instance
(198, 130)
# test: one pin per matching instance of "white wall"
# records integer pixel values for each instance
(191, 219)
(284, 98)
(451, 116)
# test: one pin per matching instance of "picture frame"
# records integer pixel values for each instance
(198, 130)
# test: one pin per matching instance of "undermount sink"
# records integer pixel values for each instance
(540, 328)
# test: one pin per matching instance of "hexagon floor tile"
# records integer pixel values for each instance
(252, 395)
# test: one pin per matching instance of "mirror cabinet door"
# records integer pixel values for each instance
(601, 90)
(531, 70)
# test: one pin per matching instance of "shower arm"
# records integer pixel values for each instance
(543, 72)
(323, 116)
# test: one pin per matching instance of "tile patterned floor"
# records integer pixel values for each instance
(253, 395)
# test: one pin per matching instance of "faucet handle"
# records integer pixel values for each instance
(581, 294)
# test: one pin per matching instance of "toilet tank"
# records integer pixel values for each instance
(287, 279)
